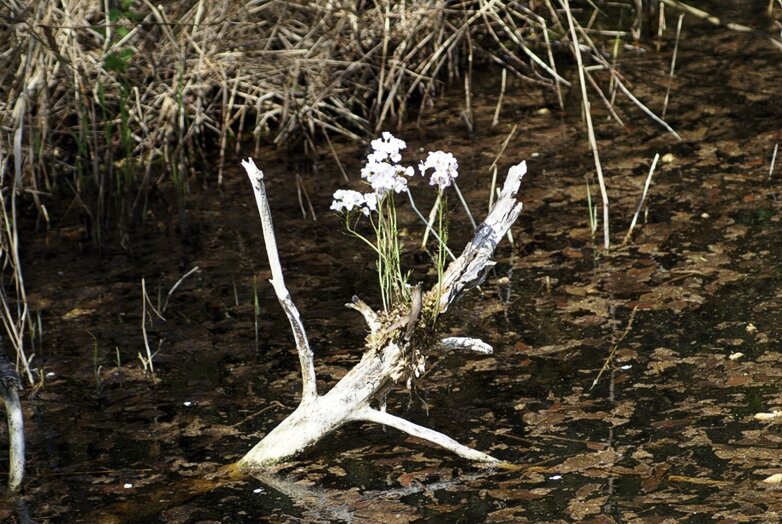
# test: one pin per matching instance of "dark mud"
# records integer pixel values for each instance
(667, 434)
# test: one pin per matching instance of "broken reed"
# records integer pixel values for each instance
(24, 332)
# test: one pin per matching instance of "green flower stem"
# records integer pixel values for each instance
(393, 283)
(441, 248)
(429, 228)
(358, 235)
(465, 206)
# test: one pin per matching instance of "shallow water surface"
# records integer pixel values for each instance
(683, 322)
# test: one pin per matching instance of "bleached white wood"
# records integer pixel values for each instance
(473, 344)
(381, 417)
(386, 360)
(306, 360)
(13, 410)
(370, 317)
(10, 383)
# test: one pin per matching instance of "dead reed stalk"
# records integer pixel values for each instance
(14, 308)
(106, 104)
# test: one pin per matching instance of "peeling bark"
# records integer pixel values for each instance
(393, 340)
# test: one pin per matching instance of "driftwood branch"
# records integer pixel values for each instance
(394, 347)
(471, 267)
(10, 384)
(309, 385)
(380, 417)
(472, 344)
(371, 318)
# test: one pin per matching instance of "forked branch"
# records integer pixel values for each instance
(309, 385)
(393, 351)
(435, 437)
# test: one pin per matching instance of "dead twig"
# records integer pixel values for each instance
(714, 20)
(614, 348)
(673, 66)
(588, 117)
(643, 199)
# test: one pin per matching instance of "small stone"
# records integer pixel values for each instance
(776, 478)
(768, 416)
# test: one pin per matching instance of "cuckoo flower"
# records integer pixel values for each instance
(386, 148)
(382, 170)
(444, 168)
(387, 176)
(347, 200)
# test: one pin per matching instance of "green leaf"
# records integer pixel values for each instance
(115, 14)
(119, 60)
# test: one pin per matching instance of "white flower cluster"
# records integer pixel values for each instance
(384, 173)
(347, 200)
(444, 166)
(382, 169)
(384, 177)
(386, 148)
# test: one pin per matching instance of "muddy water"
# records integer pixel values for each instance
(667, 432)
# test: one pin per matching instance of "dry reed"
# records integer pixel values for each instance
(99, 104)
(104, 103)
(108, 104)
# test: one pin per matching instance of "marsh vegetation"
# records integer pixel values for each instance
(634, 317)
